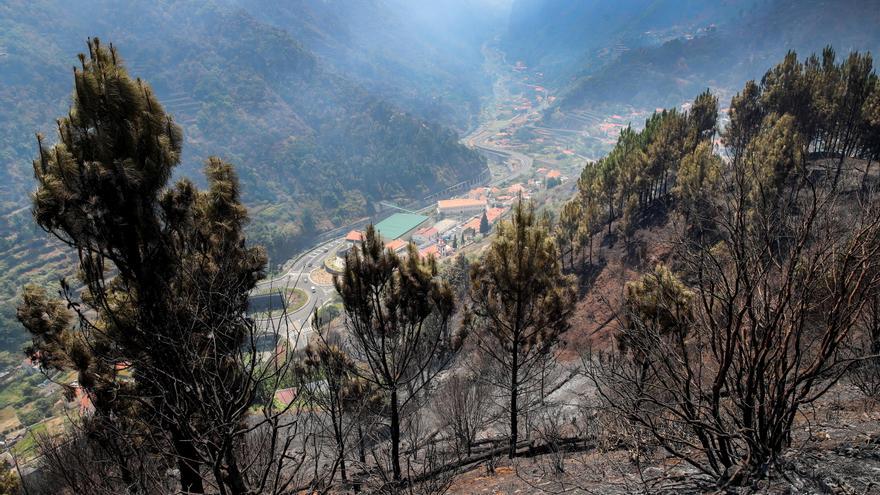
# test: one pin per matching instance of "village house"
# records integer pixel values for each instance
(425, 235)
(462, 207)
(354, 238)
(493, 214)
(444, 227)
(397, 245)
(432, 250)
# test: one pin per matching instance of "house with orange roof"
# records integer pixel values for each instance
(460, 207)
(397, 245)
(477, 193)
(432, 250)
(81, 400)
(354, 238)
(473, 223)
(554, 174)
(493, 214)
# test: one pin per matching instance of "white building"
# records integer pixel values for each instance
(462, 207)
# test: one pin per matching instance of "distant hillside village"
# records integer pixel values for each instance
(455, 222)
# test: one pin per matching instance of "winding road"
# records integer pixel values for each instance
(296, 325)
(479, 139)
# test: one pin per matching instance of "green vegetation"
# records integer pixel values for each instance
(313, 149)
(296, 299)
(330, 312)
(334, 264)
(26, 447)
(637, 172)
(693, 297)
(521, 303)
(776, 263)
(10, 484)
(397, 315)
(660, 55)
(173, 251)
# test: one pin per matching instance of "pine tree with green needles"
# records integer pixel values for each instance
(165, 270)
(702, 119)
(567, 228)
(657, 304)
(10, 484)
(398, 312)
(746, 114)
(520, 305)
(774, 158)
(698, 181)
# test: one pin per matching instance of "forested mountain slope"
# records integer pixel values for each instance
(313, 148)
(725, 55)
(658, 53)
(564, 38)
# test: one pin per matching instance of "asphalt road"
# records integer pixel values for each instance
(480, 140)
(296, 325)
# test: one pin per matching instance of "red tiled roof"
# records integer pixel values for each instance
(83, 401)
(433, 249)
(459, 203)
(427, 231)
(554, 174)
(477, 193)
(473, 223)
(396, 245)
(285, 395)
(354, 236)
(492, 214)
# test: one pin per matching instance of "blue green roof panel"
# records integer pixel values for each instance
(398, 225)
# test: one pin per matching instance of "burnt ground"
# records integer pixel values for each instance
(835, 449)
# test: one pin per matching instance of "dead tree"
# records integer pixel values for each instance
(715, 369)
(464, 408)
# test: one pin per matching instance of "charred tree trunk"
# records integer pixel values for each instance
(514, 391)
(188, 464)
(395, 436)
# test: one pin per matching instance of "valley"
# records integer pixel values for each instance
(414, 247)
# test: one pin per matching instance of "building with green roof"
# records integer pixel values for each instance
(400, 226)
